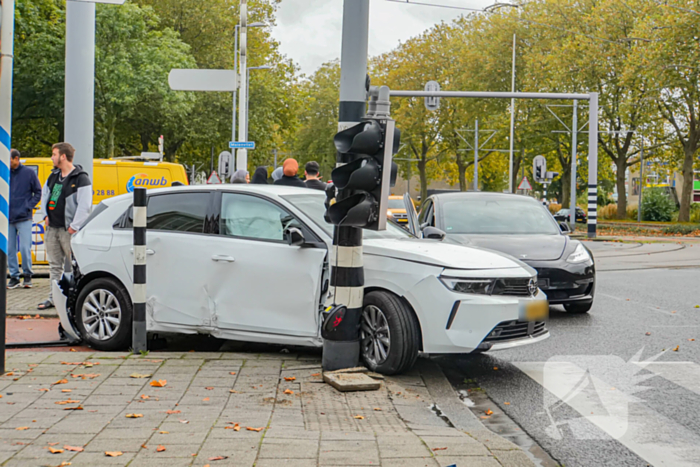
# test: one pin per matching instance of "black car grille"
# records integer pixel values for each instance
(513, 287)
(508, 330)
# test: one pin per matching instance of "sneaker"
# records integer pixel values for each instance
(14, 283)
(27, 284)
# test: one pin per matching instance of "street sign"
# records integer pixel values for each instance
(241, 144)
(539, 169)
(525, 184)
(214, 179)
(203, 80)
(432, 103)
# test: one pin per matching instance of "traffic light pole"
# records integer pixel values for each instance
(342, 349)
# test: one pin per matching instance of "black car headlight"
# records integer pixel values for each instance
(580, 255)
(473, 286)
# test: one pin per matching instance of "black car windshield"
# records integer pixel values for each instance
(312, 205)
(496, 216)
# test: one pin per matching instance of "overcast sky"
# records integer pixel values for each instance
(309, 31)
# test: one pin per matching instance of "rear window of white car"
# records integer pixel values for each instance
(312, 205)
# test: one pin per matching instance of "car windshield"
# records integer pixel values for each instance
(563, 212)
(312, 205)
(497, 216)
(396, 204)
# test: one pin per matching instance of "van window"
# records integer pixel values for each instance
(35, 169)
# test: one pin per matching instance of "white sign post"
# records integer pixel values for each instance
(203, 80)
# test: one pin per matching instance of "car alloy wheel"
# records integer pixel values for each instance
(101, 314)
(375, 335)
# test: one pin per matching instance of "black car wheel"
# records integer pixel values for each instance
(578, 307)
(390, 337)
(103, 314)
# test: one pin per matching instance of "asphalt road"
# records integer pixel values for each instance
(619, 386)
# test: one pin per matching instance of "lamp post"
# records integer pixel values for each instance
(247, 94)
(235, 67)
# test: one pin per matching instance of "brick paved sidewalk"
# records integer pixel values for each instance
(22, 301)
(301, 421)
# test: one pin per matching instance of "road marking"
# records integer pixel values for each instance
(656, 439)
(684, 374)
(652, 308)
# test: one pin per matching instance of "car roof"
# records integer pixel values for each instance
(481, 195)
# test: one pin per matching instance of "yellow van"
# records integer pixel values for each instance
(110, 178)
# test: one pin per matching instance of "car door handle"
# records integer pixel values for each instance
(148, 251)
(227, 259)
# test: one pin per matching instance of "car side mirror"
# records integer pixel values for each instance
(424, 225)
(564, 227)
(294, 236)
(433, 233)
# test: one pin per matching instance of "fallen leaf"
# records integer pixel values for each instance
(55, 451)
(72, 350)
(691, 340)
(144, 446)
(73, 448)
(290, 378)
(218, 458)
(697, 306)
(377, 409)
(205, 399)
(209, 388)
(252, 429)
(69, 401)
(184, 421)
(439, 449)
(53, 444)
(495, 368)
(134, 415)
(160, 449)
(145, 397)
(44, 389)
(64, 464)
(236, 427)
(140, 375)
(22, 428)
(65, 390)
(489, 412)
(170, 412)
(359, 417)
(676, 348)
(231, 372)
(113, 453)
(315, 374)
(159, 383)
(61, 381)
(506, 403)
(648, 334)
(288, 391)
(164, 432)
(232, 391)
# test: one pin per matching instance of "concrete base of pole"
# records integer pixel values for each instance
(340, 354)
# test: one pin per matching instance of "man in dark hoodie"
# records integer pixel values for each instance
(65, 206)
(25, 193)
(290, 168)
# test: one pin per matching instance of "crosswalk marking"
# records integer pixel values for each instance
(652, 436)
(684, 374)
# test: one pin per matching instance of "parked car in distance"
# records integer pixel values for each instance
(251, 263)
(563, 215)
(397, 209)
(519, 226)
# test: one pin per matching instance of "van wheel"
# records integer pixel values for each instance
(103, 315)
(389, 333)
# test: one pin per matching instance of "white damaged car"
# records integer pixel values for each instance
(251, 263)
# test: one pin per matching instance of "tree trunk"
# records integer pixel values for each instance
(423, 179)
(621, 165)
(461, 168)
(687, 190)
(145, 139)
(565, 189)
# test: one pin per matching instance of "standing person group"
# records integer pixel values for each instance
(287, 175)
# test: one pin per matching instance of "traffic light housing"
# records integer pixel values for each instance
(367, 173)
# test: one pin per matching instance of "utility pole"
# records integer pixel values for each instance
(574, 144)
(641, 183)
(512, 124)
(7, 32)
(476, 155)
(242, 154)
(347, 273)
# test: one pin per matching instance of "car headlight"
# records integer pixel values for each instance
(475, 286)
(580, 255)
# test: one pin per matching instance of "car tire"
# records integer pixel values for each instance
(578, 307)
(109, 295)
(401, 341)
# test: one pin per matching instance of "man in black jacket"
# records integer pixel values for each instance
(290, 177)
(25, 193)
(65, 206)
(313, 178)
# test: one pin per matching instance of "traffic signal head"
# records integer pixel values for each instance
(364, 179)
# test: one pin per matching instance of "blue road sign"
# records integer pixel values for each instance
(241, 144)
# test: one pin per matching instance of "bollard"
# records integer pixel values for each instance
(138, 335)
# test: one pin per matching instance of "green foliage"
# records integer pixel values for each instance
(657, 206)
(695, 213)
(682, 229)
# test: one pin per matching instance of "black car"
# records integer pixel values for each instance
(563, 215)
(519, 226)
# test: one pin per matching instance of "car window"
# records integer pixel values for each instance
(179, 212)
(253, 217)
(397, 204)
(425, 212)
(500, 216)
(312, 205)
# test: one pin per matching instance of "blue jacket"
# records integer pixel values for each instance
(25, 193)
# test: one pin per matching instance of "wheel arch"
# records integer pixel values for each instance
(91, 276)
(405, 302)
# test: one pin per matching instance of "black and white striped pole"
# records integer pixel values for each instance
(593, 166)
(138, 335)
